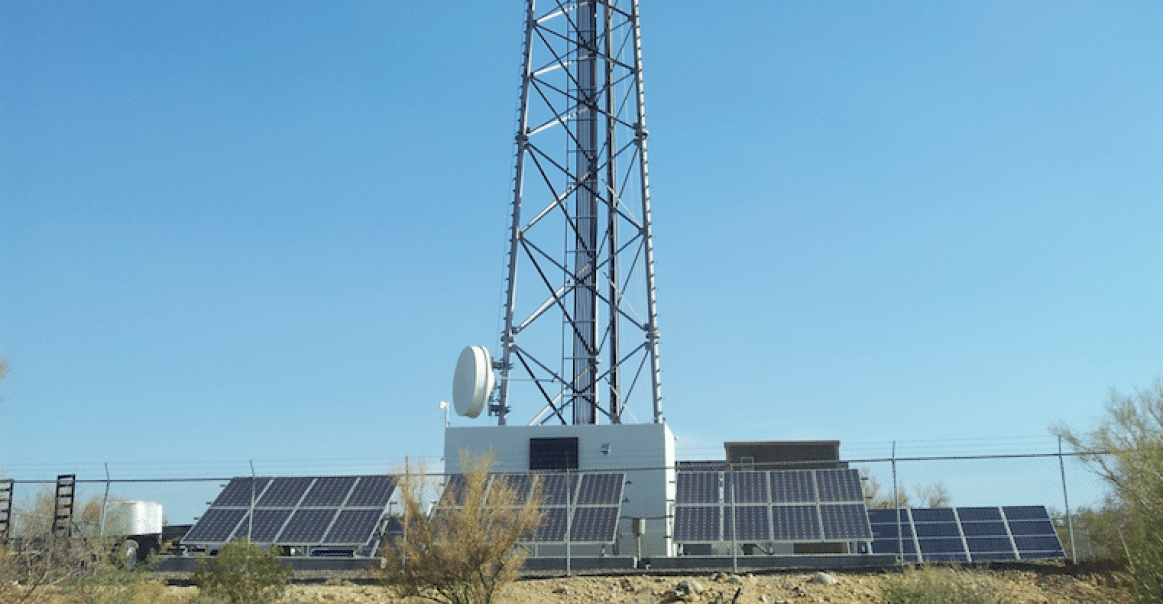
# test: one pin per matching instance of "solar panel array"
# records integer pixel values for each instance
(770, 506)
(332, 511)
(966, 534)
(595, 500)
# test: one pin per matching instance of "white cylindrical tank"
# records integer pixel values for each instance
(133, 518)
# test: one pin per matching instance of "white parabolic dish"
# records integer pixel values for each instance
(473, 381)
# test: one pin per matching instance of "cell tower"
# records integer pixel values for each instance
(580, 332)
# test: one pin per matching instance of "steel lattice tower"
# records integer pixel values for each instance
(580, 333)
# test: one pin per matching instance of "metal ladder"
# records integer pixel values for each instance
(62, 524)
(6, 486)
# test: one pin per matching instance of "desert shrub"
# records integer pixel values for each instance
(463, 553)
(242, 573)
(1127, 451)
(106, 582)
(939, 586)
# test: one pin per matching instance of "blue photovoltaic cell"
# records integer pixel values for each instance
(1046, 546)
(795, 523)
(747, 487)
(558, 489)
(353, 526)
(751, 522)
(215, 526)
(697, 487)
(845, 521)
(552, 525)
(1032, 527)
(307, 526)
(266, 525)
(942, 549)
(519, 484)
(372, 491)
(984, 529)
(601, 489)
(239, 492)
(454, 485)
(792, 486)
(933, 515)
(880, 516)
(894, 546)
(978, 514)
(888, 530)
(594, 524)
(839, 485)
(989, 544)
(696, 523)
(987, 535)
(284, 492)
(329, 491)
(937, 529)
(1025, 512)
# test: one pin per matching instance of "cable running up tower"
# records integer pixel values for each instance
(580, 333)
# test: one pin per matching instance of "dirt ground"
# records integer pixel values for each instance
(1030, 585)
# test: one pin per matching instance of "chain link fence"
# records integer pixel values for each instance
(1059, 481)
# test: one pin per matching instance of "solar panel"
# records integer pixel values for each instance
(696, 523)
(793, 486)
(845, 522)
(266, 525)
(215, 526)
(521, 485)
(747, 487)
(795, 523)
(601, 489)
(371, 491)
(776, 505)
(594, 524)
(329, 491)
(336, 511)
(751, 521)
(239, 492)
(353, 526)
(697, 487)
(552, 527)
(967, 534)
(839, 485)
(284, 492)
(558, 489)
(307, 526)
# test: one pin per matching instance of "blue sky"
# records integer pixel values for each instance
(264, 231)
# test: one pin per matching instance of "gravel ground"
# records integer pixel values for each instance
(1027, 584)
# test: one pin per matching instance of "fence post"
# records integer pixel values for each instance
(104, 504)
(253, 486)
(1066, 502)
(896, 504)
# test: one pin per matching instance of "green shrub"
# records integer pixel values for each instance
(243, 573)
(1126, 449)
(939, 586)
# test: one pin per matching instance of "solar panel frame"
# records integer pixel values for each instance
(352, 526)
(371, 491)
(984, 533)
